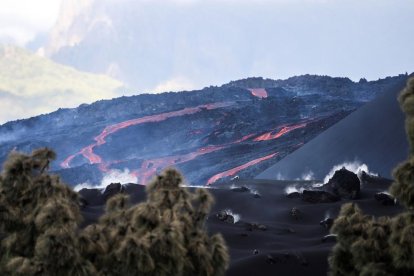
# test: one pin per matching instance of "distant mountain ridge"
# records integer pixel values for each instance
(211, 134)
(32, 85)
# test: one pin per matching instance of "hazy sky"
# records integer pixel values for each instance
(354, 38)
(190, 44)
(20, 20)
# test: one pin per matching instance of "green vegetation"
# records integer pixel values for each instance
(40, 234)
(380, 246)
(32, 85)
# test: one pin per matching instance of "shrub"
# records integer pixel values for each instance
(40, 234)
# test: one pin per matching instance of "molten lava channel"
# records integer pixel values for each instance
(235, 170)
(93, 158)
(258, 92)
(285, 129)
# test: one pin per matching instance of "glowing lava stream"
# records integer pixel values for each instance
(285, 129)
(93, 158)
(235, 170)
(258, 92)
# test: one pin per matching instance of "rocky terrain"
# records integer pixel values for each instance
(269, 231)
(211, 135)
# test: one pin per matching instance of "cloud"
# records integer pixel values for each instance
(173, 85)
(21, 20)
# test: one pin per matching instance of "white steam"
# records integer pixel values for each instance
(279, 176)
(307, 176)
(114, 176)
(235, 216)
(355, 167)
(118, 176)
(293, 188)
(327, 214)
(85, 185)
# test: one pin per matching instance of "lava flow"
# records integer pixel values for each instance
(259, 92)
(235, 170)
(150, 167)
(285, 129)
(93, 158)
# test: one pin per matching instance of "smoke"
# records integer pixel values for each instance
(85, 185)
(279, 176)
(118, 176)
(307, 176)
(293, 188)
(114, 176)
(328, 215)
(355, 167)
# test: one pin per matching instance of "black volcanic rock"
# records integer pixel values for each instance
(327, 223)
(209, 134)
(225, 216)
(344, 184)
(372, 179)
(385, 198)
(318, 196)
(294, 195)
(329, 238)
(240, 189)
(112, 189)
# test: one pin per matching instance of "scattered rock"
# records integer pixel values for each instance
(368, 179)
(82, 201)
(255, 226)
(344, 184)
(329, 238)
(112, 189)
(317, 196)
(262, 227)
(327, 223)
(295, 213)
(294, 195)
(240, 189)
(225, 216)
(257, 195)
(270, 259)
(385, 198)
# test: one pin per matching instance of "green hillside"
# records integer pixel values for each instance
(31, 85)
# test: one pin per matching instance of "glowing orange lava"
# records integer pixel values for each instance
(149, 168)
(93, 158)
(239, 168)
(259, 92)
(285, 129)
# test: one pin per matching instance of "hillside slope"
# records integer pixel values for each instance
(211, 135)
(373, 135)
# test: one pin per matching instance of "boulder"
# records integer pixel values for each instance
(255, 226)
(225, 216)
(329, 238)
(327, 223)
(294, 195)
(112, 189)
(318, 196)
(367, 179)
(344, 184)
(385, 198)
(240, 189)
